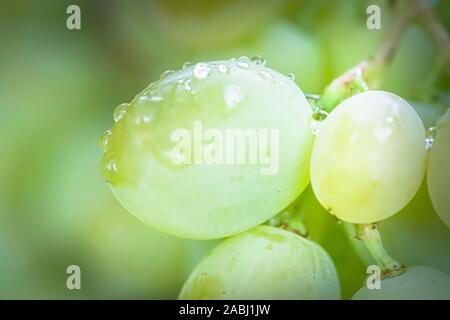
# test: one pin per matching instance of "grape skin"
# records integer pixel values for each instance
(264, 263)
(368, 160)
(416, 283)
(438, 177)
(209, 201)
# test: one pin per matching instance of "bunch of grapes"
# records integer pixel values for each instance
(364, 152)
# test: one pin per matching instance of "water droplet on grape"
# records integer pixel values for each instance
(156, 98)
(390, 119)
(201, 70)
(266, 75)
(233, 95)
(383, 133)
(111, 166)
(143, 98)
(147, 118)
(120, 111)
(223, 68)
(103, 141)
(187, 85)
(291, 76)
(165, 74)
(243, 62)
(318, 116)
(429, 139)
(258, 60)
(386, 129)
(315, 127)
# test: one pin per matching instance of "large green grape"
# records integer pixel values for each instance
(368, 160)
(178, 188)
(439, 169)
(416, 283)
(264, 263)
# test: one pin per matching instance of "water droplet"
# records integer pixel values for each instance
(390, 119)
(266, 75)
(386, 128)
(165, 74)
(291, 76)
(243, 62)
(147, 118)
(383, 133)
(144, 98)
(111, 166)
(201, 70)
(185, 85)
(233, 95)
(120, 111)
(223, 68)
(429, 139)
(315, 127)
(103, 141)
(156, 98)
(318, 116)
(258, 60)
(186, 64)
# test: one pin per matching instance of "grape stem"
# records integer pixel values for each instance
(370, 236)
(368, 72)
(291, 219)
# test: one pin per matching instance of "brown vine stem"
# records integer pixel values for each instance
(435, 28)
(369, 70)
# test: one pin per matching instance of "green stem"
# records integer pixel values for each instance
(370, 236)
(368, 72)
(291, 219)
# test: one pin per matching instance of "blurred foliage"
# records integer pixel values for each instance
(57, 92)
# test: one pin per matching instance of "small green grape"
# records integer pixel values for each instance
(416, 283)
(204, 201)
(264, 263)
(368, 160)
(439, 169)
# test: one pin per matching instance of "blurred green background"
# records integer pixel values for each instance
(58, 88)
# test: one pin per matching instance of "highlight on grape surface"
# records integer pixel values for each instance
(257, 150)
